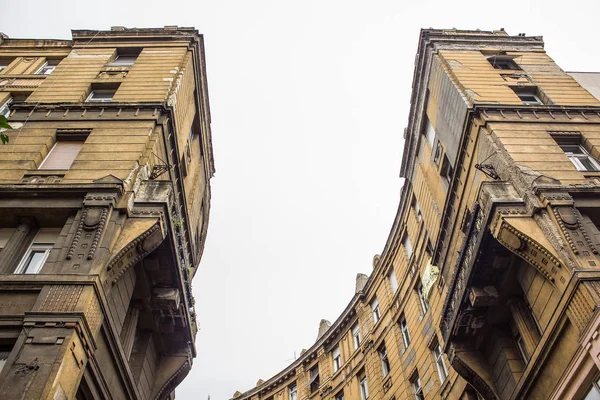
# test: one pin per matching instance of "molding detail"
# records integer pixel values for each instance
(135, 251)
(173, 381)
(531, 251)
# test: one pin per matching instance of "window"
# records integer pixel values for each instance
(439, 150)
(293, 392)
(446, 171)
(506, 63)
(364, 388)
(416, 209)
(393, 281)
(521, 347)
(440, 364)
(429, 132)
(101, 95)
(356, 335)
(385, 362)
(405, 332)
(340, 395)
(5, 234)
(337, 359)
(529, 96)
(48, 67)
(62, 154)
(38, 252)
(466, 221)
(415, 382)
(314, 381)
(125, 57)
(407, 246)
(5, 109)
(422, 300)
(4, 354)
(594, 392)
(581, 159)
(375, 310)
(3, 65)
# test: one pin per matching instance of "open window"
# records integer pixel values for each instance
(314, 380)
(48, 67)
(125, 57)
(102, 93)
(503, 62)
(385, 362)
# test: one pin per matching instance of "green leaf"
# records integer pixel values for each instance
(3, 138)
(4, 123)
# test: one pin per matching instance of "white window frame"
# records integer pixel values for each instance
(375, 310)
(575, 158)
(385, 361)
(407, 245)
(34, 247)
(405, 332)
(5, 109)
(92, 99)
(520, 342)
(47, 68)
(123, 60)
(364, 388)
(3, 358)
(356, 335)
(440, 364)
(337, 358)
(417, 209)
(429, 132)
(293, 392)
(417, 388)
(422, 300)
(393, 281)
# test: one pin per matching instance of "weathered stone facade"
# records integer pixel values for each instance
(104, 203)
(489, 284)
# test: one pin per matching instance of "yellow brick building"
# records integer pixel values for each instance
(104, 203)
(488, 286)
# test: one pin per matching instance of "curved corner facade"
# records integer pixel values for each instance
(104, 203)
(488, 285)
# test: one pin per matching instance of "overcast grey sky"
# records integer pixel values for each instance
(308, 100)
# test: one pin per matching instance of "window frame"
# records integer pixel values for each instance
(356, 335)
(314, 380)
(293, 392)
(508, 61)
(5, 108)
(116, 63)
(416, 208)
(404, 332)
(42, 247)
(407, 249)
(385, 361)
(56, 143)
(417, 388)
(375, 311)
(429, 132)
(336, 355)
(440, 363)
(393, 281)
(364, 388)
(575, 158)
(49, 65)
(423, 303)
(92, 99)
